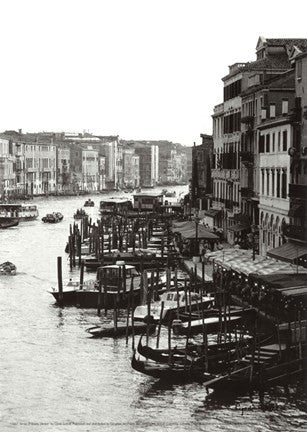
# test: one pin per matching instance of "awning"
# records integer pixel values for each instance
(212, 212)
(202, 233)
(288, 252)
(238, 227)
(295, 210)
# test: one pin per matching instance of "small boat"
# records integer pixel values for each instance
(109, 330)
(53, 218)
(8, 222)
(89, 203)
(7, 268)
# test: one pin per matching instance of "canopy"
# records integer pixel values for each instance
(181, 226)
(288, 252)
(201, 233)
(241, 261)
(284, 280)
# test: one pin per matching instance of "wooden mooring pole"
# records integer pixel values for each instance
(60, 280)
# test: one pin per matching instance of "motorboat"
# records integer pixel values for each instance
(171, 303)
(89, 203)
(53, 218)
(120, 284)
(7, 268)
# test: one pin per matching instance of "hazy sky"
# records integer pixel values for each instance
(146, 69)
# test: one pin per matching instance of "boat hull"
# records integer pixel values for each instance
(89, 299)
(8, 222)
(121, 330)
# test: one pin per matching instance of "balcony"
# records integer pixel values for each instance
(298, 191)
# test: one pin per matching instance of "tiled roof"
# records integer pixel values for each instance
(300, 43)
(277, 61)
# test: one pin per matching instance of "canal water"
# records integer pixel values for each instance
(53, 377)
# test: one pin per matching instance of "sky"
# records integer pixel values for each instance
(140, 69)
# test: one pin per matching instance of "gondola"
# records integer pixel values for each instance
(217, 354)
(168, 372)
(162, 355)
(110, 330)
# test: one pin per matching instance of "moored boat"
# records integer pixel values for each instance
(120, 284)
(121, 329)
(173, 303)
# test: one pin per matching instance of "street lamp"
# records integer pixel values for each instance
(253, 239)
(196, 218)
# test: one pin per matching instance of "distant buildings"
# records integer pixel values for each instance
(69, 163)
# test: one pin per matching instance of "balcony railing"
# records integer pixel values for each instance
(298, 191)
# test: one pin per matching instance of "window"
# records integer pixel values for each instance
(267, 143)
(299, 70)
(272, 110)
(284, 140)
(278, 184)
(284, 184)
(273, 142)
(278, 142)
(268, 182)
(284, 108)
(261, 143)
(273, 182)
(263, 113)
(29, 163)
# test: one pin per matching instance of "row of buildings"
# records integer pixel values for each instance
(253, 183)
(47, 163)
